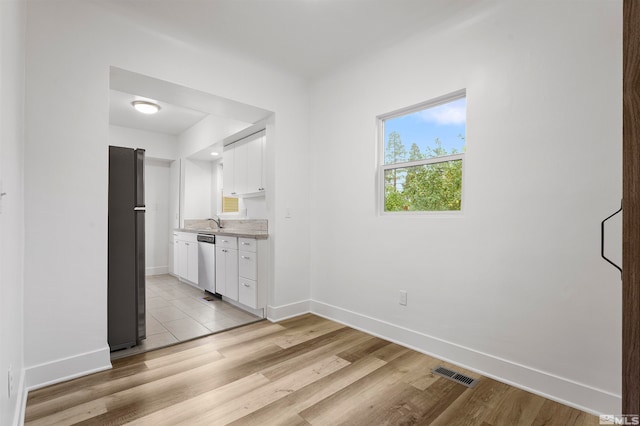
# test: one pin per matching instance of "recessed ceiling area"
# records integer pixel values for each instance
(171, 119)
(180, 108)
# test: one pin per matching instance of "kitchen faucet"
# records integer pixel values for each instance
(217, 221)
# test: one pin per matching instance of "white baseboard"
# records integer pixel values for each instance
(256, 312)
(568, 392)
(64, 369)
(157, 270)
(280, 313)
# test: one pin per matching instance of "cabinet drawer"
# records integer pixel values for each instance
(248, 293)
(227, 242)
(248, 265)
(186, 236)
(247, 244)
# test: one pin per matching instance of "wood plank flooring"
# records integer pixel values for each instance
(306, 370)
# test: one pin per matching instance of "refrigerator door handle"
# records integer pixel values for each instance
(139, 209)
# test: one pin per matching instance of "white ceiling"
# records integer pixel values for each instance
(171, 119)
(306, 37)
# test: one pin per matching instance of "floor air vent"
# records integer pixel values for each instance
(456, 377)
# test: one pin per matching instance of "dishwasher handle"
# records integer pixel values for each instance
(205, 238)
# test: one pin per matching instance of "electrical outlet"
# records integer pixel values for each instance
(10, 382)
(403, 298)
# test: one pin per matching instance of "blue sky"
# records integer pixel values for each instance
(445, 122)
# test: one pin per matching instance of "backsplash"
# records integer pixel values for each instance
(253, 226)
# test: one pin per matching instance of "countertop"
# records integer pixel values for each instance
(230, 232)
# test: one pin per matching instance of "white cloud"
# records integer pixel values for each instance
(453, 113)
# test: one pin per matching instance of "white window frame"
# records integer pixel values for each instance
(382, 168)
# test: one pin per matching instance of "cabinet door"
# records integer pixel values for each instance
(247, 265)
(229, 171)
(192, 260)
(241, 163)
(231, 272)
(248, 293)
(175, 265)
(183, 260)
(247, 244)
(255, 160)
(221, 271)
(227, 242)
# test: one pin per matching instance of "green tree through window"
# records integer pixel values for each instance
(428, 175)
(395, 152)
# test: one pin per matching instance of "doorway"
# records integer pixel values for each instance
(188, 126)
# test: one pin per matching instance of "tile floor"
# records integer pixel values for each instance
(177, 312)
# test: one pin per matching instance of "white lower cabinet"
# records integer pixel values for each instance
(227, 266)
(183, 259)
(248, 293)
(175, 267)
(192, 262)
(248, 265)
(252, 272)
(241, 266)
(185, 256)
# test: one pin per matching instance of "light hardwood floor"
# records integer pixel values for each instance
(306, 370)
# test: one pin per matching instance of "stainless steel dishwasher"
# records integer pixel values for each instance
(207, 262)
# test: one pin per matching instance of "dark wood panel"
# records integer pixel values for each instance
(307, 370)
(631, 216)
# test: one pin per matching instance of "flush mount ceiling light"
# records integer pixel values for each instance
(214, 153)
(146, 107)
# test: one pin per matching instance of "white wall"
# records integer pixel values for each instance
(256, 207)
(70, 47)
(157, 238)
(514, 286)
(156, 145)
(198, 190)
(207, 131)
(174, 195)
(12, 51)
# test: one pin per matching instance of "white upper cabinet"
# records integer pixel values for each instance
(244, 166)
(255, 164)
(241, 167)
(229, 171)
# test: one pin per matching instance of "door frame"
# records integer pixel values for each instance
(631, 209)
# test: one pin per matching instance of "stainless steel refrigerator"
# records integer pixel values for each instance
(126, 264)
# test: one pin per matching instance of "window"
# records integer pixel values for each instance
(229, 205)
(423, 153)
